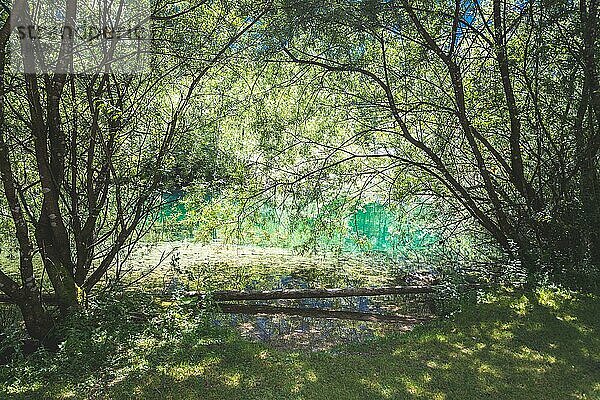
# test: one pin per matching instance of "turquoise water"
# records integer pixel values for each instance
(372, 227)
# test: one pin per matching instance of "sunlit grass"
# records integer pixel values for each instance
(510, 346)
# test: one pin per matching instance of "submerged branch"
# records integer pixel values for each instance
(319, 313)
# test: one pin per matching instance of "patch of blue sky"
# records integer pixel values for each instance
(358, 52)
(521, 4)
(467, 19)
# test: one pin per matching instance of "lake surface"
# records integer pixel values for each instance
(189, 266)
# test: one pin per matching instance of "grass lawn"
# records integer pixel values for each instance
(509, 346)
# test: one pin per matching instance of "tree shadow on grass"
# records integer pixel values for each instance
(503, 350)
(514, 347)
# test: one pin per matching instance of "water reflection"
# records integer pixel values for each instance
(283, 331)
(273, 321)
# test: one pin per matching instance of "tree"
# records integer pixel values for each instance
(84, 155)
(494, 100)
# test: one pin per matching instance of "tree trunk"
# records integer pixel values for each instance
(38, 322)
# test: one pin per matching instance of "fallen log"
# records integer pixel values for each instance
(251, 309)
(230, 295)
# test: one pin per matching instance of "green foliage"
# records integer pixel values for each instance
(107, 339)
